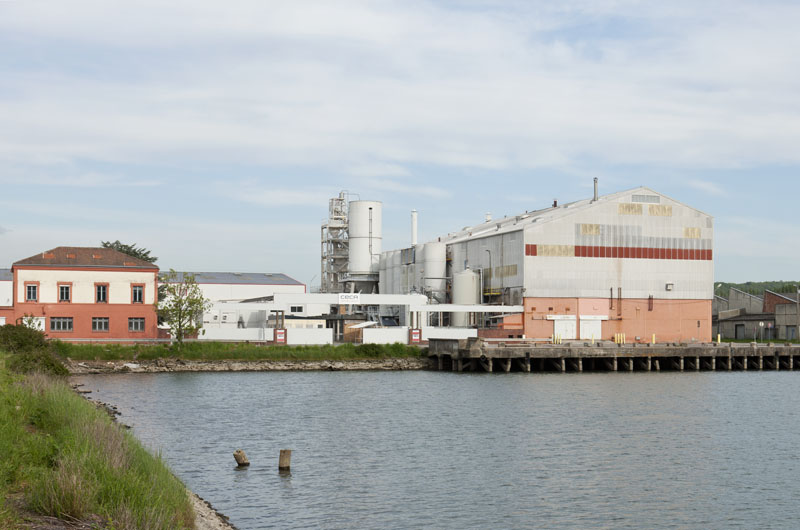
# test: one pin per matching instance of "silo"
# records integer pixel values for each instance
(365, 236)
(382, 273)
(466, 290)
(396, 271)
(434, 270)
(419, 258)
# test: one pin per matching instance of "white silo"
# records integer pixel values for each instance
(419, 266)
(365, 237)
(466, 290)
(396, 271)
(382, 273)
(434, 270)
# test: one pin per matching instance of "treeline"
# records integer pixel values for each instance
(756, 288)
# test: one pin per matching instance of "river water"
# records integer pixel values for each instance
(446, 450)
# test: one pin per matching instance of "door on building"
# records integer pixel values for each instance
(565, 329)
(740, 332)
(591, 329)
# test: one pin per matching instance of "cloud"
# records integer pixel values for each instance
(708, 187)
(3, 230)
(409, 187)
(378, 170)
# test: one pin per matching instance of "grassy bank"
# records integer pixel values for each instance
(218, 351)
(62, 457)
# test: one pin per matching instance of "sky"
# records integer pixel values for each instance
(214, 133)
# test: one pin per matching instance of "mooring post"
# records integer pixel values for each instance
(241, 458)
(285, 460)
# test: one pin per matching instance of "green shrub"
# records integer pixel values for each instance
(20, 338)
(42, 360)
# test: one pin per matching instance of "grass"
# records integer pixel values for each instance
(65, 458)
(219, 351)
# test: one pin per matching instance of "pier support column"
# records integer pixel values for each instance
(730, 364)
(616, 366)
(744, 363)
(713, 363)
(760, 362)
(630, 364)
(506, 364)
(441, 362)
(460, 364)
(563, 365)
(680, 364)
(777, 362)
(697, 363)
(657, 365)
(649, 364)
(580, 364)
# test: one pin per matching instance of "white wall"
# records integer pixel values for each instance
(238, 334)
(83, 290)
(448, 333)
(385, 335)
(298, 336)
(6, 293)
(221, 291)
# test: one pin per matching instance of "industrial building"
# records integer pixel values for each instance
(634, 264)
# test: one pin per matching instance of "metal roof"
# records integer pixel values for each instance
(248, 278)
(518, 222)
(5, 275)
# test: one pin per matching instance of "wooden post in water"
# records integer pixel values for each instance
(285, 460)
(241, 458)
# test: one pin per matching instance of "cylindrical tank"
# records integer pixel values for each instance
(434, 270)
(466, 290)
(365, 235)
(382, 273)
(396, 271)
(419, 266)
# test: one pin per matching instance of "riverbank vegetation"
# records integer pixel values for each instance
(65, 458)
(230, 351)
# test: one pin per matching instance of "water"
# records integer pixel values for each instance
(444, 450)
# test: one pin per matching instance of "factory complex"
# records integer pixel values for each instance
(634, 265)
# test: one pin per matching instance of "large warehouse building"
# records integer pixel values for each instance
(635, 263)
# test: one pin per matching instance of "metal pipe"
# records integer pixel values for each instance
(595, 189)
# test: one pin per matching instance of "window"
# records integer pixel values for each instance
(31, 292)
(60, 323)
(137, 294)
(296, 309)
(64, 292)
(135, 324)
(99, 323)
(101, 293)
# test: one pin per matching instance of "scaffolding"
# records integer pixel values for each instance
(335, 246)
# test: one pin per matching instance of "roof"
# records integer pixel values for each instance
(789, 297)
(99, 257)
(6, 275)
(248, 278)
(518, 222)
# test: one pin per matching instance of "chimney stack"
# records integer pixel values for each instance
(413, 227)
(595, 189)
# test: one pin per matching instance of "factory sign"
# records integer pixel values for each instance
(349, 298)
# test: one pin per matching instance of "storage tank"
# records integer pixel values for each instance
(365, 236)
(466, 290)
(382, 273)
(396, 271)
(434, 270)
(419, 258)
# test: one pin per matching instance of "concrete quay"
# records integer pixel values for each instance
(478, 355)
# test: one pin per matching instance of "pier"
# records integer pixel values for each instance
(481, 355)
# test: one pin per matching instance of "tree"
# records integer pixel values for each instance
(130, 250)
(182, 305)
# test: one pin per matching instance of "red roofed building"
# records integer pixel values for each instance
(86, 293)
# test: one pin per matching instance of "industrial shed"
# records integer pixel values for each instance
(635, 262)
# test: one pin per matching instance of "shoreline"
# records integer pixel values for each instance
(77, 367)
